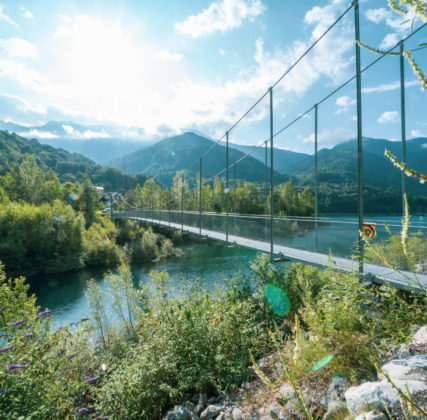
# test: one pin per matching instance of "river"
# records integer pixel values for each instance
(209, 262)
(65, 293)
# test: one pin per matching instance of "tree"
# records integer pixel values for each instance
(88, 202)
(249, 199)
(24, 181)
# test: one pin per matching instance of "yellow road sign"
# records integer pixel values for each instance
(370, 231)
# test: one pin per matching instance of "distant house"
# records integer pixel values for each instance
(99, 190)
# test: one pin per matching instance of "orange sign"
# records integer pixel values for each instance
(369, 231)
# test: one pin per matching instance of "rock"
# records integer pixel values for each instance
(420, 337)
(372, 415)
(179, 412)
(236, 414)
(198, 409)
(203, 399)
(336, 410)
(276, 411)
(286, 393)
(338, 386)
(189, 406)
(194, 416)
(418, 345)
(371, 393)
(211, 412)
(410, 368)
(212, 400)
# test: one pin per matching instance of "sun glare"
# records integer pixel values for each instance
(100, 56)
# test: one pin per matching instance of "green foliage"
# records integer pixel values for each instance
(88, 202)
(145, 249)
(43, 372)
(193, 344)
(46, 238)
(392, 250)
(126, 299)
(67, 166)
(167, 249)
(100, 250)
(343, 318)
(287, 201)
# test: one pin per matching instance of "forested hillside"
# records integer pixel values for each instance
(67, 166)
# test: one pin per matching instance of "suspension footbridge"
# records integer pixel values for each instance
(316, 240)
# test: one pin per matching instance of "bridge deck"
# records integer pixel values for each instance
(377, 273)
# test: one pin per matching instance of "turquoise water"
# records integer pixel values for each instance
(65, 293)
(211, 263)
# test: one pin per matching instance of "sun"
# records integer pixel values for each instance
(100, 58)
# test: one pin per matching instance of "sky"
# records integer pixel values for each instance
(158, 68)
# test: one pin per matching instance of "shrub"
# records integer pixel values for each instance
(198, 343)
(146, 248)
(99, 249)
(44, 372)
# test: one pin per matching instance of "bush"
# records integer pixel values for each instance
(99, 249)
(146, 248)
(195, 344)
(43, 371)
(44, 238)
(392, 250)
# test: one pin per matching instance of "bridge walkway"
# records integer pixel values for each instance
(373, 272)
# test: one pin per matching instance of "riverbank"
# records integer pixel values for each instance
(162, 349)
(202, 261)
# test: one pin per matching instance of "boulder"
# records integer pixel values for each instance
(372, 415)
(410, 368)
(211, 412)
(420, 336)
(236, 413)
(179, 412)
(378, 393)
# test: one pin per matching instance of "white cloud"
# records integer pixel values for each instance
(6, 18)
(103, 62)
(389, 41)
(68, 128)
(222, 52)
(89, 134)
(401, 25)
(330, 138)
(16, 47)
(389, 86)
(38, 134)
(220, 16)
(163, 55)
(20, 72)
(416, 133)
(378, 15)
(389, 117)
(345, 101)
(26, 13)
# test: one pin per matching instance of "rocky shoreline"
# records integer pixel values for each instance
(405, 368)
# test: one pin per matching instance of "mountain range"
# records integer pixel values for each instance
(173, 154)
(100, 143)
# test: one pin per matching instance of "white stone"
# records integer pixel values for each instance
(286, 391)
(410, 368)
(370, 393)
(420, 336)
(211, 412)
(372, 415)
(237, 413)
